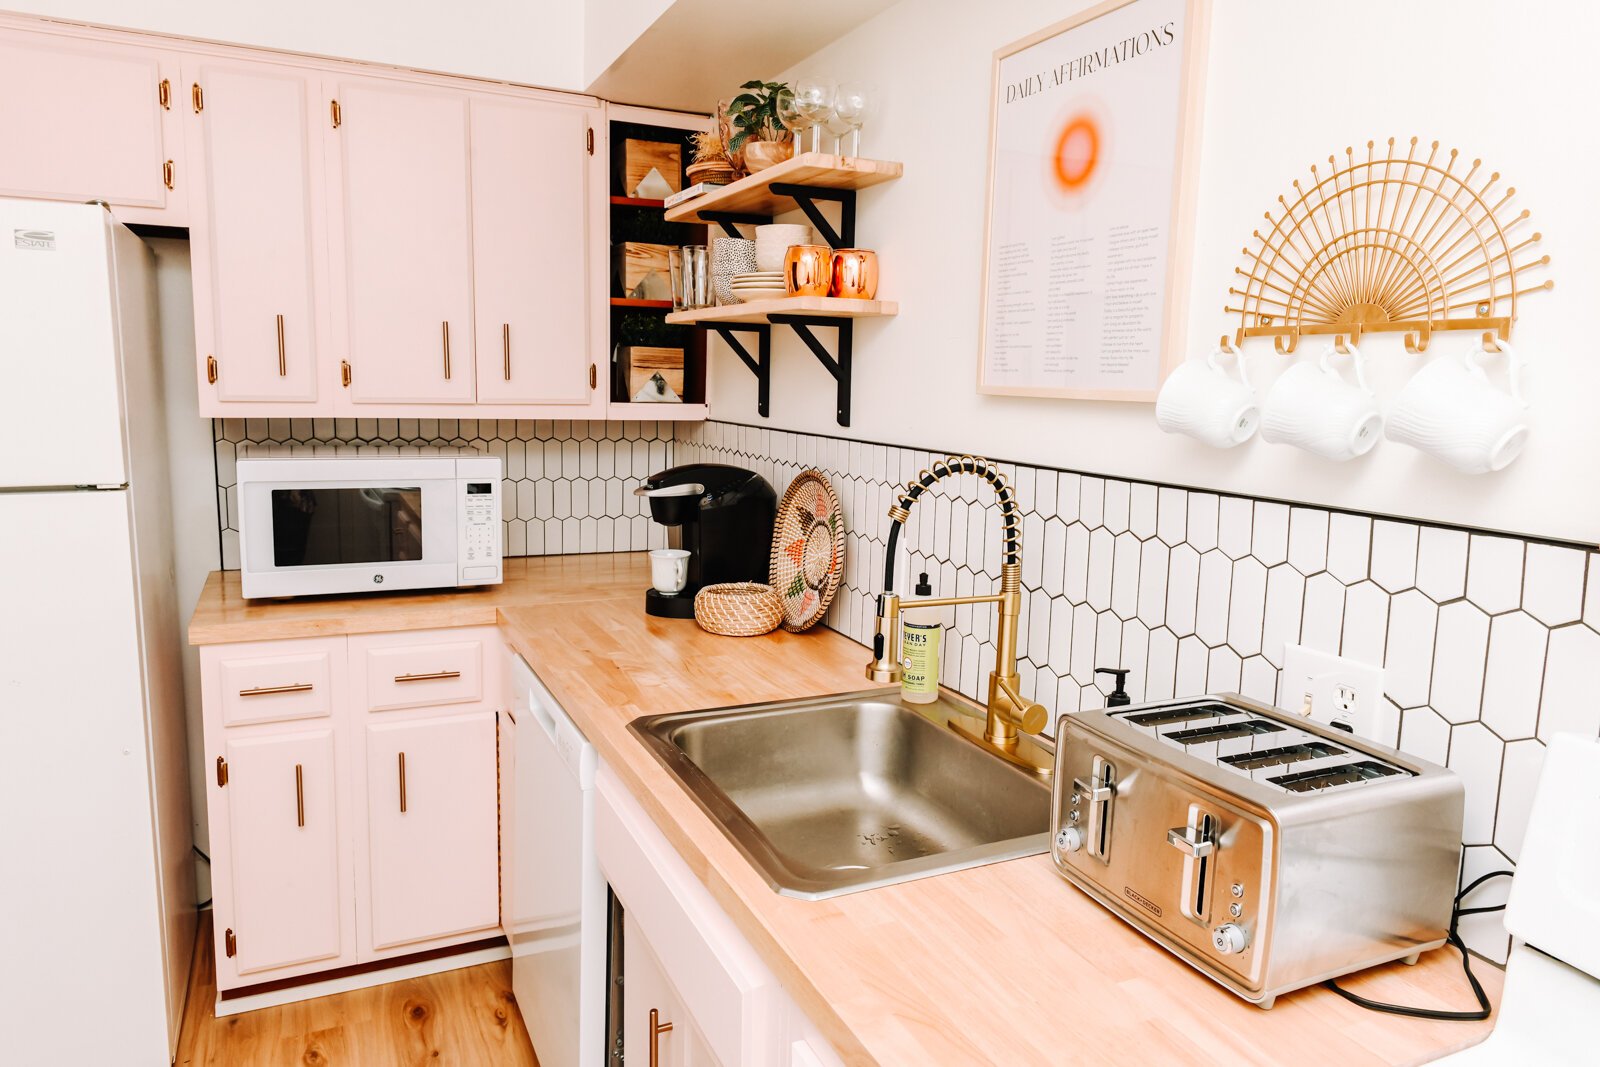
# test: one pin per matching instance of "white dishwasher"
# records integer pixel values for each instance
(553, 898)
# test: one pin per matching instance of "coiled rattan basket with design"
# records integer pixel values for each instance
(738, 609)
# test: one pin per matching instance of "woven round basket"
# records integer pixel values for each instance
(738, 609)
(710, 172)
(807, 550)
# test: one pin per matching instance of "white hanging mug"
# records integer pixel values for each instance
(1203, 401)
(1450, 410)
(1313, 407)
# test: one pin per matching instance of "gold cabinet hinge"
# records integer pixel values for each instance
(211, 370)
(344, 373)
(197, 97)
(222, 772)
(230, 944)
(589, 139)
(335, 113)
(164, 94)
(167, 173)
(594, 376)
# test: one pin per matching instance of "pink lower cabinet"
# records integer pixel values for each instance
(432, 856)
(288, 904)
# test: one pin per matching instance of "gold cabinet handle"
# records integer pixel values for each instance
(335, 113)
(402, 783)
(344, 373)
(446, 326)
(164, 94)
(197, 98)
(211, 370)
(299, 795)
(166, 173)
(657, 1028)
(505, 344)
(431, 676)
(283, 366)
(268, 690)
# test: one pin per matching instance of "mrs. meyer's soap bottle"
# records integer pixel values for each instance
(920, 631)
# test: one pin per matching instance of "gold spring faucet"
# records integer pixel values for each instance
(1008, 710)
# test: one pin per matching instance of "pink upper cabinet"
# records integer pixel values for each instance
(85, 120)
(538, 197)
(402, 240)
(257, 167)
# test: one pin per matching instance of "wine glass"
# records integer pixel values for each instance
(813, 99)
(789, 115)
(851, 103)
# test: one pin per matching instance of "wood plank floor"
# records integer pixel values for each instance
(466, 1017)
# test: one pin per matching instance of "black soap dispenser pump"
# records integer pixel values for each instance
(1119, 696)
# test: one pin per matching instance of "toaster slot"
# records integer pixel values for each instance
(1324, 777)
(1168, 716)
(1282, 756)
(1223, 732)
(1197, 840)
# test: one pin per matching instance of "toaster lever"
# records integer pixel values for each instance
(1188, 840)
(1099, 792)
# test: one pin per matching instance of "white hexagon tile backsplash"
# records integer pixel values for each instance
(1489, 643)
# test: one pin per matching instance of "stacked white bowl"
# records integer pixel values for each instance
(773, 241)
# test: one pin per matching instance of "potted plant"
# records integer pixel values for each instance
(756, 133)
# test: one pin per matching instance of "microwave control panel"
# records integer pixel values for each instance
(480, 548)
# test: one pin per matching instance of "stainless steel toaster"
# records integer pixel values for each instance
(1266, 850)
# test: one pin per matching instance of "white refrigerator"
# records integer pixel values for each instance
(97, 910)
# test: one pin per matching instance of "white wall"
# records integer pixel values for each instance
(1289, 82)
(610, 26)
(536, 42)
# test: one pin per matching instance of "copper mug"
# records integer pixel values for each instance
(808, 270)
(855, 274)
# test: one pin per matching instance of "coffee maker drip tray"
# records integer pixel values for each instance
(669, 605)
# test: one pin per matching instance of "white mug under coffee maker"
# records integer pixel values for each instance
(669, 570)
(1453, 412)
(1202, 400)
(1315, 408)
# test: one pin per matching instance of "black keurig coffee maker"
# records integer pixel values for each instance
(725, 515)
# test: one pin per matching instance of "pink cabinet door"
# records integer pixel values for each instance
(280, 892)
(403, 239)
(82, 120)
(431, 828)
(257, 168)
(538, 202)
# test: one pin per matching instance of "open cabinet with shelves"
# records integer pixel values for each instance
(643, 342)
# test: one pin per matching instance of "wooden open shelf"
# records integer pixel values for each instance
(753, 195)
(830, 307)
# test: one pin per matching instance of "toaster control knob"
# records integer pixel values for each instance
(1229, 938)
(1069, 840)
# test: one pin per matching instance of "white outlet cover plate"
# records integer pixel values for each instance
(1320, 674)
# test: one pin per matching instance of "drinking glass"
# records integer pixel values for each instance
(790, 116)
(691, 280)
(813, 99)
(852, 101)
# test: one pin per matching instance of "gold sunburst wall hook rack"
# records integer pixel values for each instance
(1410, 243)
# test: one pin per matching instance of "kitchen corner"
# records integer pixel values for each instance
(945, 970)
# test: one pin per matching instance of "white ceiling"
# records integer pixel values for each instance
(699, 51)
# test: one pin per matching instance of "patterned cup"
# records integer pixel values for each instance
(730, 256)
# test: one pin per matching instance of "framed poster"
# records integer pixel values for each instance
(1092, 168)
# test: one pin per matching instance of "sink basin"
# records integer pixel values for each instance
(837, 794)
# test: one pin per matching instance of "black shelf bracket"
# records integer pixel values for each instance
(760, 364)
(728, 219)
(806, 196)
(838, 366)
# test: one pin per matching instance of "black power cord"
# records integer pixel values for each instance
(1454, 937)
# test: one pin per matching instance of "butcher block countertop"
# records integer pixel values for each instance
(1003, 964)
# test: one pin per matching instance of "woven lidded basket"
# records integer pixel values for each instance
(807, 558)
(738, 609)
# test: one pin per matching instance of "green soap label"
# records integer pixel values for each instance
(919, 661)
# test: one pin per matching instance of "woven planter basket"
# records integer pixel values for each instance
(738, 609)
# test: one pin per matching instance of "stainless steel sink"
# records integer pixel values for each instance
(837, 794)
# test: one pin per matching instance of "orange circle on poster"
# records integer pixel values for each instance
(1077, 152)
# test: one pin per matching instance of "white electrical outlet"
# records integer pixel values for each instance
(1344, 693)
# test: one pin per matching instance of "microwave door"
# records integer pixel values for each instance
(343, 525)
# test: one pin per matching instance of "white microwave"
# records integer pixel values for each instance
(339, 523)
